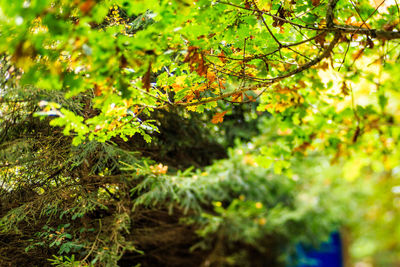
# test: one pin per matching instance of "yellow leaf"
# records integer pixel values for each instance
(191, 108)
(264, 5)
(180, 80)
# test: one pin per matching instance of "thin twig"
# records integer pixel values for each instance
(271, 81)
(358, 30)
(260, 14)
(94, 243)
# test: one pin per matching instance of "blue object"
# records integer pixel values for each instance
(328, 255)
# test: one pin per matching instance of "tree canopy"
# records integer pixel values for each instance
(137, 57)
(104, 104)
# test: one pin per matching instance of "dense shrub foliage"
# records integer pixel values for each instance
(203, 133)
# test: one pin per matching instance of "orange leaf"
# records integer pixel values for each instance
(324, 65)
(189, 97)
(159, 169)
(361, 24)
(211, 77)
(302, 148)
(250, 98)
(315, 2)
(176, 87)
(302, 84)
(201, 88)
(222, 57)
(218, 117)
(236, 97)
(358, 54)
(146, 78)
(97, 89)
(87, 6)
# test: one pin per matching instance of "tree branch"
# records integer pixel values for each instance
(374, 33)
(330, 26)
(271, 81)
(329, 12)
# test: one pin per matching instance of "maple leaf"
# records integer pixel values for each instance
(218, 117)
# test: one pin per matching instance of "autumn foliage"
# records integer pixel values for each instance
(197, 133)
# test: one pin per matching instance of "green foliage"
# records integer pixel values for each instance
(238, 201)
(104, 103)
(139, 57)
(64, 261)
